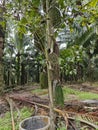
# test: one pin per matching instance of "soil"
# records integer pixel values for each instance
(73, 106)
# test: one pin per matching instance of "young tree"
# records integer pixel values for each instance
(28, 18)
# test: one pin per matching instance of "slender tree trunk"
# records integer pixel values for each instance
(48, 32)
(2, 10)
(1, 78)
(1, 65)
(10, 75)
(8, 78)
(18, 68)
(22, 74)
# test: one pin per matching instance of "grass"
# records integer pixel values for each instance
(62, 128)
(79, 94)
(69, 91)
(39, 91)
(5, 122)
(95, 84)
(88, 95)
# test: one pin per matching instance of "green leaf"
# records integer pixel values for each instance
(24, 20)
(2, 23)
(61, 3)
(93, 3)
(36, 2)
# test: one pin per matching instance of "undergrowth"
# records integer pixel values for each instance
(5, 121)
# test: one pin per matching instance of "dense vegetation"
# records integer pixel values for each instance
(76, 28)
(54, 37)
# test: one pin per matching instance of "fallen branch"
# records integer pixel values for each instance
(73, 126)
(85, 122)
(11, 109)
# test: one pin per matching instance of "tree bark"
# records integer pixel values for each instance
(2, 10)
(48, 32)
(1, 65)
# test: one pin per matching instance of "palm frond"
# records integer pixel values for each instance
(84, 39)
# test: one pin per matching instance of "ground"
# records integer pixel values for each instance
(73, 104)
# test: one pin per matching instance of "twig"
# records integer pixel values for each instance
(35, 110)
(11, 109)
(72, 125)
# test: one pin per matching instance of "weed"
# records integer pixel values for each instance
(5, 122)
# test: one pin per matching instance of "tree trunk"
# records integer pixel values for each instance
(2, 10)
(1, 78)
(37, 72)
(1, 65)
(48, 32)
(23, 74)
(18, 68)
